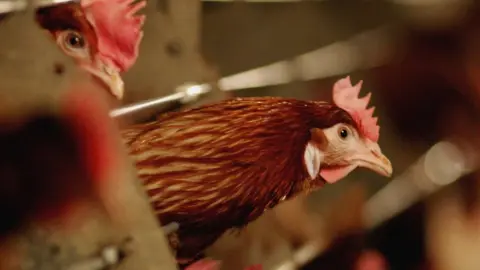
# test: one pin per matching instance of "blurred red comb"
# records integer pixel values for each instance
(118, 29)
(345, 96)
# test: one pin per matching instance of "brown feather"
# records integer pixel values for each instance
(221, 166)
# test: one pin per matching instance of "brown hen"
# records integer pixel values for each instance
(220, 166)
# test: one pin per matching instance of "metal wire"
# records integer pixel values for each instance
(109, 257)
(185, 94)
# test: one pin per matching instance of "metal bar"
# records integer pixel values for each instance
(185, 93)
(443, 164)
(362, 51)
(145, 105)
(109, 257)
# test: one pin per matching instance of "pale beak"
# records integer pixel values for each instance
(109, 76)
(373, 159)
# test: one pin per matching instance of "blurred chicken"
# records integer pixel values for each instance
(220, 166)
(102, 36)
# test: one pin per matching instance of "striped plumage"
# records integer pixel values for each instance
(220, 166)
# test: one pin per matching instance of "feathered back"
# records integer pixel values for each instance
(118, 29)
(345, 96)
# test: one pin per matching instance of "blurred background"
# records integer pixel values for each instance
(419, 58)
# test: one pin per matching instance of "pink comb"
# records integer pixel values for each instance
(346, 97)
(118, 29)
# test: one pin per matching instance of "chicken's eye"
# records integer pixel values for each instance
(343, 133)
(73, 43)
(74, 40)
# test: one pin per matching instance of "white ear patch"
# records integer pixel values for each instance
(312, 157)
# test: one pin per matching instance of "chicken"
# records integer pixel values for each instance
(220, 166)
(102, 36)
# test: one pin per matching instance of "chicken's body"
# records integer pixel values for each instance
(220, 166)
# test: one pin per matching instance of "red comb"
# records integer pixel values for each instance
(118, 29)
(346, 97)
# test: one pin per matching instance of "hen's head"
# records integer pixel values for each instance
(102, 36)
(336, 150)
